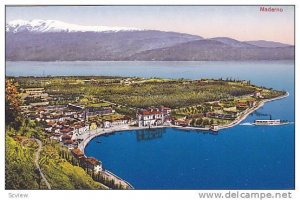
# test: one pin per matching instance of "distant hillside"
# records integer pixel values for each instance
(51, 40)
(271, 44)
(214, 50)
(88, 45)
(232, 42)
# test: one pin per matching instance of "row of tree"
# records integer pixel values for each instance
(99, 177)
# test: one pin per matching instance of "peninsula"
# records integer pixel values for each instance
(108, 101)
(71, 111)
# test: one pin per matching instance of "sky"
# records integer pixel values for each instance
(239, 22)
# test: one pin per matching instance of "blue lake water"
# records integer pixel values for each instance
(242, 157)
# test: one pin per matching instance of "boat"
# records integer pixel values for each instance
(270, 122)
(98, 141)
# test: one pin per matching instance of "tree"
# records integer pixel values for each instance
(12, 104)
(199, 122)
(205, 122)
(193, 122)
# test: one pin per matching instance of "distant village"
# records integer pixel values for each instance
(66, 123)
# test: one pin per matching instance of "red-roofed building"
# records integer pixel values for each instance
(150, 117)
(68, 143)
(120, 121)
(66, 130)
(66, 137)
(241, 105)
(165, 110)
(93, 164)
(181, 122)
(50, 123)
(77, 153)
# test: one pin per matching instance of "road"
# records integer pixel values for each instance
(36, 161)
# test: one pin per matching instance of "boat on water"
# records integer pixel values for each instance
(270, 122)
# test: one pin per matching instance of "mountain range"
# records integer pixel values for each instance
(51, 40)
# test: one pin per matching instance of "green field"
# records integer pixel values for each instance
(140, 92)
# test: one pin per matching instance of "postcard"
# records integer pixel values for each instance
(160, 97)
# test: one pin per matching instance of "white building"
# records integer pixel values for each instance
(80, 129)
(257, 94)
(151, 117)
(121, 121)
(106, 124)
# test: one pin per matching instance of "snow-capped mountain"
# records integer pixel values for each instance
(58, 26)
(51, 40)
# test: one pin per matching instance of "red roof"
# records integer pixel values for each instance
(77, 152)
(50, 123)
(66, 137)
(164, 108)
(241, 104)
(78, 126)
(68, 142)
(92, 161)
(150, 112)
(65, 130)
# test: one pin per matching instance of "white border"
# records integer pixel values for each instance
(136, 194)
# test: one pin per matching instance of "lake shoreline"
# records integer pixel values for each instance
(251, 110)
(113, 130)
(98, 132)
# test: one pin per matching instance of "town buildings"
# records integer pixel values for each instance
(35, 96)
(65, 123)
